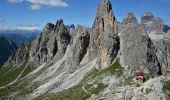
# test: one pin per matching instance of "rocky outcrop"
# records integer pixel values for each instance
(163, 54)
(147, 17)
(166, 28)
(51, 44)
(22, 55)
(39, 50)
(130, 18)
(104, 42)
(152, 24)
(81, 44)
(137, 51)
(63, 39)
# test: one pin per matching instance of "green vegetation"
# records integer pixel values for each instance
(77, 92)
(23, 87)
(114, 69)
(9, 74)
(27, 71)
(95, 90)
(129, 81)
(166, 86)
(147, 77)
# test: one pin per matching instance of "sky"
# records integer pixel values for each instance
(34, 14)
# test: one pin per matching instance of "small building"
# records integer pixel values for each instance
(139, 76)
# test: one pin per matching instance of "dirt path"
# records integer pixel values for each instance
(92, 95)
(17, 77)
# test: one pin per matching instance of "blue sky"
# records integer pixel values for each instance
(36, 13)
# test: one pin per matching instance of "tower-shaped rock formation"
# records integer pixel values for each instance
(104, 42)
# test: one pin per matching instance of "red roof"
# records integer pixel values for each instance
(139, 74)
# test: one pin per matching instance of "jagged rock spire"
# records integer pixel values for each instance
(103, 39)
(130, 18)
(105, 7)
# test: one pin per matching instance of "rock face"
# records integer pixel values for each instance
(63, 39)
(166, 28)
(147, 17)
(22, 55)
(39, 51)
(81, 44)
(152, 24)
(51, 43)
(137, 51)
(104, 42)
(130, 18)
(163, 54)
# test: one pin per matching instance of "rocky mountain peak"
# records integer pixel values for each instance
(147, 17)
(104, 9)
(21, 55)
(130, 18)
(59, 22)
(50, 26)
(103, 39)
(152, 24)
(104, 17)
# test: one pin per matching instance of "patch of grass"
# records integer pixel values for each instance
(25, 88)
(129, 81)
(96, 90)
(114, 69)
(5, 69)
(27, 71)
(74, 93)
(166, 86)
(9, 73)
(147, 77)
(10, 76)
(77, 92)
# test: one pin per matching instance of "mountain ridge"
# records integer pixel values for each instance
(75, 63)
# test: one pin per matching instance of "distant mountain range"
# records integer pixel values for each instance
(10, 41)
(7, 48)
(19, 36)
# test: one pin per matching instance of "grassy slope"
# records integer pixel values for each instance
(22, 87)
(77, 93)
(11, 75)
(167, 86)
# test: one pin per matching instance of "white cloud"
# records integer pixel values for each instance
(15, 1)
(28, 27)
(35, 7)
(38, 4)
